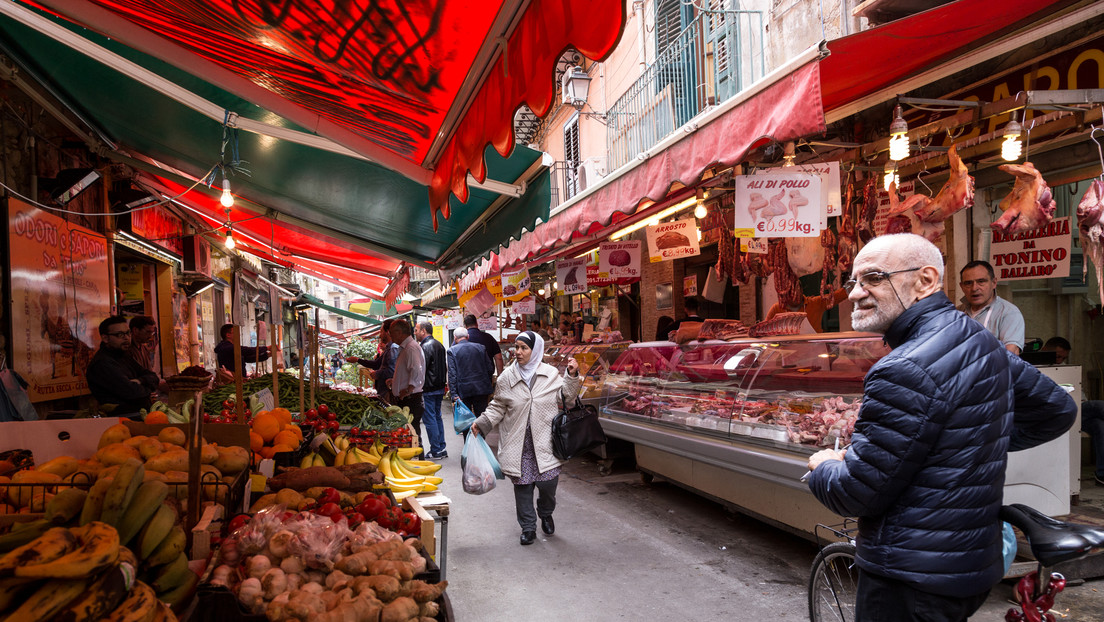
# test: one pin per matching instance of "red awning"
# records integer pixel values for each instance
(784, 107)
(305, 251)
(876, 59)
(419, 87)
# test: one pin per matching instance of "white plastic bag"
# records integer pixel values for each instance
(478, 471)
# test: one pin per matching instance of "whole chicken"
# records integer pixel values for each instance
(1030, 205)
(956, 194)
(1090, 221)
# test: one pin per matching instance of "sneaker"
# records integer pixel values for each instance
(437, 456)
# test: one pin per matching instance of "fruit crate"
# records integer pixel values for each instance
(13, 497)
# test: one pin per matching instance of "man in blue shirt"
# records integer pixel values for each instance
(489, 343)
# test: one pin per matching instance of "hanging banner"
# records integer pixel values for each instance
(829, 173)
(60, 294)
(690, 285)
(571, 274)
(515, 285)
(480, 302)
(1041, 253)
(673, 240)
(619, 259)
(525, 305)
(781, 205)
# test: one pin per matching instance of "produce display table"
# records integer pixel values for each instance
(431, 514)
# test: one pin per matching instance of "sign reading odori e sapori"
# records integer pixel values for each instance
(1041, 253)
(673, 240)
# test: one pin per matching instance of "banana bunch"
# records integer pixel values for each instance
(312, 459)
(407, 478)
(78, 573)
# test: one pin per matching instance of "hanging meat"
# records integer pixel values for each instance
(1030, 205)
(786, 284)
(828, 277)
(740, 275)
(903, 216)
(1090, 221)
(868, 211)
(848, 245)
(956, 194)
(806, 255)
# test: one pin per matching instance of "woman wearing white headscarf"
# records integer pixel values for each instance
(526, 400)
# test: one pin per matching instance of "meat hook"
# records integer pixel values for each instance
(920, 178)
(1099, 149)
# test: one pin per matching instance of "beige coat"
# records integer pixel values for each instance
(515, 406)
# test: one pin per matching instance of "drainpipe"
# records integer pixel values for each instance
(638, 12)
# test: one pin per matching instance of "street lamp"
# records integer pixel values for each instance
(575, 85)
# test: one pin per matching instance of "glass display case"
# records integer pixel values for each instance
(595, 361)
(789, 392)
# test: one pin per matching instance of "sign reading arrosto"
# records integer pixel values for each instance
(673, 240)
(1041, 253)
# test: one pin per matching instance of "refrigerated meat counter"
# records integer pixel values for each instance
(737, 420)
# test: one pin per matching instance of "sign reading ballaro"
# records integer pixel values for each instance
(1041, 253)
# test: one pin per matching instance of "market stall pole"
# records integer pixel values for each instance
(314, 359)
(195, 446)
(275, 368)
(302, 367)
(239, 399)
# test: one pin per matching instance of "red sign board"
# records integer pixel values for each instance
(159, 226)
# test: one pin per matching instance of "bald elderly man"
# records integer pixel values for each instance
(925, 470)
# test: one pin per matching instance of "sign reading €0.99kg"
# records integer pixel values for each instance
(673, 240)
(777, 206)
(1041, 253)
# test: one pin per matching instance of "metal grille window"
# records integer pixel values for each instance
(571, 157)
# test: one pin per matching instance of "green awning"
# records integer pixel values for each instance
(315, 302)
(357, 199)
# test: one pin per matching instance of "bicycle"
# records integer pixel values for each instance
(834, 576)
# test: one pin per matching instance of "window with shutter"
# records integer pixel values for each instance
(571, 157)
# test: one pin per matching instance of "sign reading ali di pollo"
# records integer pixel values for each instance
(777, 206)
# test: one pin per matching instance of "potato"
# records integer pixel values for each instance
(232, 460)
(135, 440)
(175, 436)
(115, 434)
(211, 491)
(148, 475)
(149, 447)
(62, 466)
(262, 503)
(108, 471)
(117, 453)
(208, 453)
(23, 495)
(168, 461)
(290, 498)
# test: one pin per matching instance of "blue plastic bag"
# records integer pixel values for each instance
(462, 417)
(1008, 542)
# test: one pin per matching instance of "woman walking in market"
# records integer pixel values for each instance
(526, 400)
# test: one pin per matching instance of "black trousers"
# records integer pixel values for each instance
(546, 502)
(417, 409)
(881, 599)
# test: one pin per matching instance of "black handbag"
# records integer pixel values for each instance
(576, 430)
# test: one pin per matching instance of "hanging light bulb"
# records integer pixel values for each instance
(789, 154)
(898, 137)
(541, 291)
(226, 199)
(1011, 148)
(891, 176)
(230, 243)
(555, 285)
(700, 211)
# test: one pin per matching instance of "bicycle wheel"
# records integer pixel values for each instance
(832, 584)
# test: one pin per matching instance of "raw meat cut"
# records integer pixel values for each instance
(797, 200)
(722, 329)
(757, 203)
(806, 255)
(672, 240)
(1030, 205)
(956, 194)
(786, 323)
(868, 211)
(786, 284)
(905, 218)
(1090, 221)
(847, 244)
(828, 276)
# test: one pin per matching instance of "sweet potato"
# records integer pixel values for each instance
(310, 477)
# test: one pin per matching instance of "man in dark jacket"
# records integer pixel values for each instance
(116, 378)
(383, 365)
(483, 338)
(433, 390)
(925, 469)
(224, 351)
(469, 372)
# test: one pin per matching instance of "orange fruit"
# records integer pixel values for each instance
(282, 415)
(267, 452)
(294, 429)
(287, 438)
(266, 426)
(255, 441)
(156, 416)
(281, 448)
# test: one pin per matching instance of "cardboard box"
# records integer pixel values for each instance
(47, 440)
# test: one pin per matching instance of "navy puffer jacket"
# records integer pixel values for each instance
(925, 470)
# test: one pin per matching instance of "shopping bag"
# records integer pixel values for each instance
(576, 430)
(462, 417)
(479, 467)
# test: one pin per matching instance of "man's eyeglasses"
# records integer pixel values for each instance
(873, 279)
(125, 333)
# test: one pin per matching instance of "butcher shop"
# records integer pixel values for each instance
(711, 321)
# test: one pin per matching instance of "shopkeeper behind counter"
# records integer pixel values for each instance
(981, 302)
(114, 377)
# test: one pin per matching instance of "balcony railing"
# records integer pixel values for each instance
(718, 55)
(565, 181)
